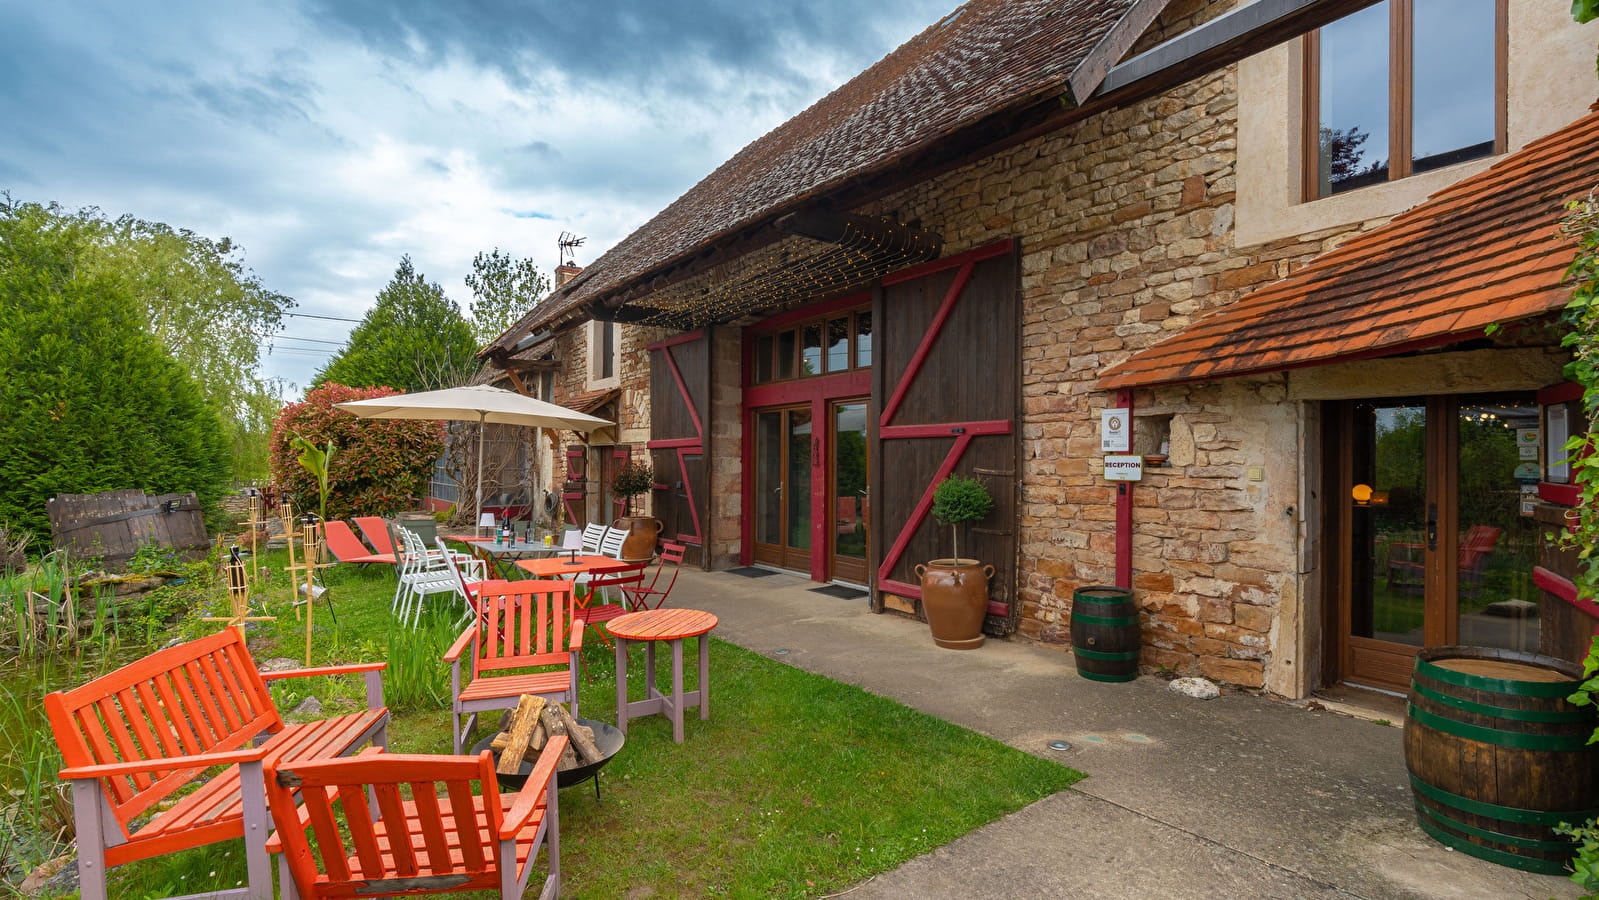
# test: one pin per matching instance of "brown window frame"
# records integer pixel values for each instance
(1401, 80)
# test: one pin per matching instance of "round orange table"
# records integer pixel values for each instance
(649, 628)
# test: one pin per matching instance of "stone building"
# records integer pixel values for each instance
(956, 261)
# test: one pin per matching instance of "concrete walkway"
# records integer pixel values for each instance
(1242, 796)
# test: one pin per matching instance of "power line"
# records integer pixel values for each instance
(291, 337)
(326, 317)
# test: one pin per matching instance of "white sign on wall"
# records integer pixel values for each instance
(1115, 431)
(1124, 468)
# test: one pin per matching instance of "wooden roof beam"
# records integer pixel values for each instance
(1224, 40)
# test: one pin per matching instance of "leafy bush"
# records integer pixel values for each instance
(381, 466)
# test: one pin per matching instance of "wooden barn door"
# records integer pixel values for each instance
(947, 371)
(680, 395)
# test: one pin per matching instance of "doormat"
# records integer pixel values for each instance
(839, 591)
(751, 572)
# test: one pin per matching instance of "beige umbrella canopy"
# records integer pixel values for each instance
(476, 403)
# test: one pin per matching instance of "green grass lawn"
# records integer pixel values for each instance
(796, 786)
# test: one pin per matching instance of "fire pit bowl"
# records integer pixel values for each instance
(608, 738)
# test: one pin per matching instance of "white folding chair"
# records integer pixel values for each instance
(424, 573)
(592, 533)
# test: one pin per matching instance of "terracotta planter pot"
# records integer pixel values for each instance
(643, 533)
(955, 599)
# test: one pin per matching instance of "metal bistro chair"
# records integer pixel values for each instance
(455, 833)
(625, 579)
(654, 596)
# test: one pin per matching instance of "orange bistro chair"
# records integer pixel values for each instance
(456, 834)
(526, 639)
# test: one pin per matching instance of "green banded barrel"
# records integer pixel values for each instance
(1497, 756)
(1105, 635)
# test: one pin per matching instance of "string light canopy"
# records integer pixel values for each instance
(837, 252)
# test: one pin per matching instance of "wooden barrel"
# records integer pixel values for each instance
(1498, 757)
(1105, 635)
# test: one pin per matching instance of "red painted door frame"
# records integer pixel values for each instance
(818, 392)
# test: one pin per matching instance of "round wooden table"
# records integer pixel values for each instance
(651, 627)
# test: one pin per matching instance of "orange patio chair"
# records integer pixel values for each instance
(376, 532)
(521, 625)
(347, 548)
(456, 833)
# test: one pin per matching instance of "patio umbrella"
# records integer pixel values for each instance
(478, 403)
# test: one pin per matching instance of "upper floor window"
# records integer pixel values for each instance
(1403, 87)
(602, 350)
(825, 346)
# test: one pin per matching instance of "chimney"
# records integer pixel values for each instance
(565, 273)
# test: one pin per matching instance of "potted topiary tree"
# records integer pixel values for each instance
(955, 591)
(631, 480)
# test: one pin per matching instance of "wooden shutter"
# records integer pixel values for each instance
(572, 490)
(680, 394)
(946, 370)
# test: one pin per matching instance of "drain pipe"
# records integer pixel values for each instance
(1124, 509)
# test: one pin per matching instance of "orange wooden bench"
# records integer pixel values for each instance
(138, 740)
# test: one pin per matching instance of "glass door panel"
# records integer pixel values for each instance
(798, 489)
(1389, 523)
(769, 478)
(851, 474)
(1496, 546)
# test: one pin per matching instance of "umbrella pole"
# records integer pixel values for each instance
(480, 436)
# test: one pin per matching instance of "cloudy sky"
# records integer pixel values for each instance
(328, 138)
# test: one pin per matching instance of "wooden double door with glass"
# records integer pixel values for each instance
(1430, 538)
(811, 477)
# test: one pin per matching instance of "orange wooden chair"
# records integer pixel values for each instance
(654, 596)
(521, 625)
(457, 833)
(347, 548)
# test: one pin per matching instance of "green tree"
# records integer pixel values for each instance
(209, 310)
(92, 400)
(504, 288)
(413, 339)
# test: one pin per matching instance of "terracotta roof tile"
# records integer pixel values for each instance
(987, 56)
(1486, 249)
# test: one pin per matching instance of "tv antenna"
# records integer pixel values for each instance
(566, 244)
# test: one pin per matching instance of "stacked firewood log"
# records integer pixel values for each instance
(525, 730)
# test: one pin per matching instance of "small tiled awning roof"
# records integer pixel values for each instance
(1485, 250)
(589, 401)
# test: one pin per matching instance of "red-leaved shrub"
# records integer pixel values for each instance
(380, 466)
